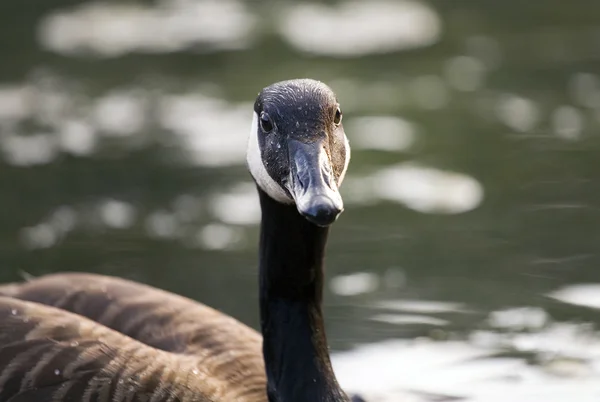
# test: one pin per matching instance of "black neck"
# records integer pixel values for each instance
(291, 288)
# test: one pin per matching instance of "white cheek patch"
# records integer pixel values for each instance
(346, 161)
(258, 170)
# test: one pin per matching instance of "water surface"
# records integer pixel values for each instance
(465, 264)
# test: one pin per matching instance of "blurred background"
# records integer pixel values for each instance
(466, 263)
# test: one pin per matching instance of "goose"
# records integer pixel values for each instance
(88, 337)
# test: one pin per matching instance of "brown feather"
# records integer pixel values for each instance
(153, 335)
(47, 354)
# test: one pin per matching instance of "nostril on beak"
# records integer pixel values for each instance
(322, 211)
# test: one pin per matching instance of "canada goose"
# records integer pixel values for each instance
(84, 337)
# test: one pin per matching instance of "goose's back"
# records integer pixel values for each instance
(47, 354)
(189, 332)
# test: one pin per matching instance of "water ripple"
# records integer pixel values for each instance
(386, 133)
(354, 28)
(422, 189)
(112, 29)
(210, 128)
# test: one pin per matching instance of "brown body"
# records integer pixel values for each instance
(138, 344)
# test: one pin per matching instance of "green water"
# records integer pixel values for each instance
(506, 96)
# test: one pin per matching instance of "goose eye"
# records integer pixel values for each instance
(337, 119)
(265, 122)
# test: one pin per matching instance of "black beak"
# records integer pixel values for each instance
(312, 183)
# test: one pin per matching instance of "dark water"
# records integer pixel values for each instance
(472, 199)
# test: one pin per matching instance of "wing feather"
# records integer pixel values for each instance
(227, 349)
(47, 354)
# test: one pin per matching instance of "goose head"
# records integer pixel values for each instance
(298, 152)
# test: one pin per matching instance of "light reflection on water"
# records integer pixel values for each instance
(453, 231)
(567, 365)
(348, 29)
(112, 29)
(209, 128)
(385, 133)
(587, 295)
(420, 188)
